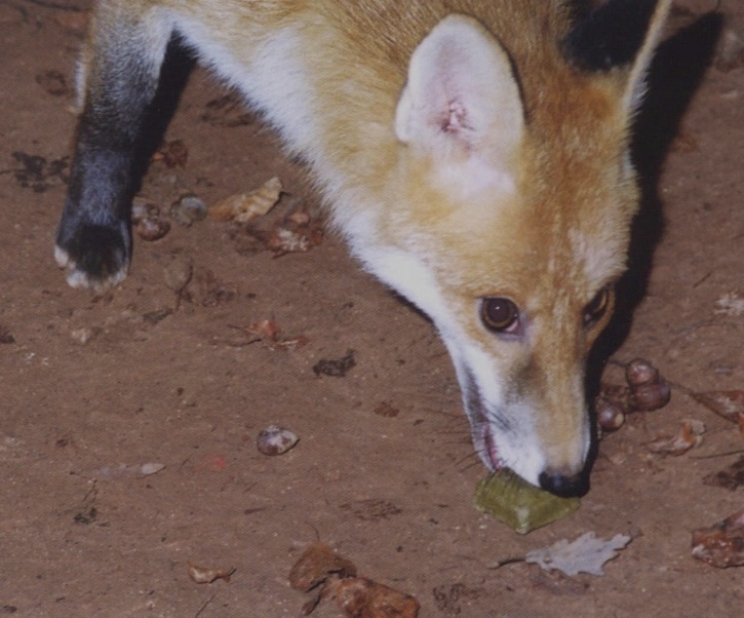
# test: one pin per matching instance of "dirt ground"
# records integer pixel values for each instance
(95, 388)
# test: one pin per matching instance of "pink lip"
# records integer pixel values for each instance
(491, 449)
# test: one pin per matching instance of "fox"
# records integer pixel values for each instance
(474, 155)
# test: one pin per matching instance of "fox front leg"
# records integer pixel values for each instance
(120, 74)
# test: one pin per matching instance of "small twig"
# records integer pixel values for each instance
(203, 607)
(717, 455)
(54, 5)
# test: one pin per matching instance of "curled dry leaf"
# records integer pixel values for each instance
(264, 329)
(282, 241)
(690, 434)
(205, 575)
(731, 477)
(360, 597)
(267, 331)
(721, 545)
(242, 207)
(314, 566)
(728, 404)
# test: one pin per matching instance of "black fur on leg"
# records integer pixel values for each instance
(94, 235)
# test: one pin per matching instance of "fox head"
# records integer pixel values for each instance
(519, 195)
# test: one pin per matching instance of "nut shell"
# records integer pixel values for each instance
(152, 228)
(275, 440)
(610, 416)
(648, 397)
(640, 371)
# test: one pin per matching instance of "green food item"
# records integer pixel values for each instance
(521, 506)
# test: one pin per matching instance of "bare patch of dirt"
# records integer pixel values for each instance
(97, 393)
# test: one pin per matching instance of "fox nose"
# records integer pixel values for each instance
(562, 484)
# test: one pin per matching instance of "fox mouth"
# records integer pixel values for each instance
(481, 425)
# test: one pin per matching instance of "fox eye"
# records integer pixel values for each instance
(598, 306)
(500, 315)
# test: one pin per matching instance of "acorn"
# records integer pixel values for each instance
(647, 389)
(640, 371)
(610, 415)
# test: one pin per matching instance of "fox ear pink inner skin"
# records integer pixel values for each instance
(467, 153)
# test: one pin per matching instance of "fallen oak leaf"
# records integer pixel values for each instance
(728, 404)
(586, 554)
(690, 434)
(721, 545)
(731, 477)
(360, 597)
(242, 207)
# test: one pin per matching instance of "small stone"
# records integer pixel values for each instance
(188, 209)
(275, 440)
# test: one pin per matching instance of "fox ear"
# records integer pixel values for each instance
(461, 97)
(619, 34)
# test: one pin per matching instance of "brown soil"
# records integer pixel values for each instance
(384, 472)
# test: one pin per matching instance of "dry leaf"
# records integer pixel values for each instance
(690, 434)
(336, 367)
(721, 545)
(173, 154)
(282, 241)
(728, 404)
(360, 597)
(264, 329)
(204, 575)
(267, 331)
(731, 477)
(242, 207)
(314, 566)
(587, 554)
